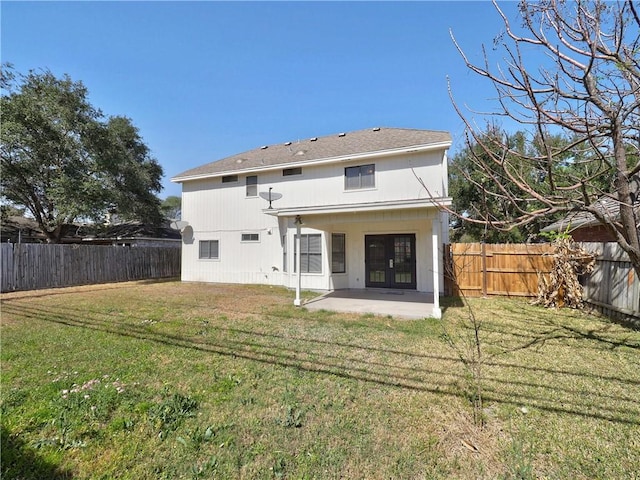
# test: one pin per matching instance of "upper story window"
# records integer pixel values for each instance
(287, 172)
(230, 178)
(252, 186)
(362, 176)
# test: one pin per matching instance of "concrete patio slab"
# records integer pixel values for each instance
(407, 304)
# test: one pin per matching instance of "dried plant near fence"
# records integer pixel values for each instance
(561, 287)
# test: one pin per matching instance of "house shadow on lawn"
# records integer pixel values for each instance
(20, 461)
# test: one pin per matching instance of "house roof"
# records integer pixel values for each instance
(312, 150)
(574, 220)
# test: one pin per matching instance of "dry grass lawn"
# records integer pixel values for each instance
(169, 380)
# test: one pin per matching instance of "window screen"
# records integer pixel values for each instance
(338, 253)
(362, 176)
(209, 249)
(310, 253)
(252, 186)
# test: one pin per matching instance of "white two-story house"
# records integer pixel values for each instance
(356, 210)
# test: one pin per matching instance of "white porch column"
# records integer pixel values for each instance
(297, 301)
(435, 243)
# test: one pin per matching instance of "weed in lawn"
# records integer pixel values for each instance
(79, 411)
(293, 418)
(206, 469)
(171, 412)
(518, 461)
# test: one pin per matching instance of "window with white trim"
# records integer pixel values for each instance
(338, 253)
(252, 186)
(310, 253)
(362, 176)
(209, 249)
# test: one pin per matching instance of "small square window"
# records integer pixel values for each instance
(250, 237)
(252, 186)
(230, 179)
(209, 249)
(362, 176)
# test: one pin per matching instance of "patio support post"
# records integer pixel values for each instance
(297, 301)
(435, 242)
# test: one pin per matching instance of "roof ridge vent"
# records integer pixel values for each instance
(288, 143)
(376, 129)
(341, 134)
(264, 147)
(314, 139)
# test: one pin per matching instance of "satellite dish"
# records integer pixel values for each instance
(270, 196)
(179, 225)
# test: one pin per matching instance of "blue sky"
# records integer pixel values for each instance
(205, 80)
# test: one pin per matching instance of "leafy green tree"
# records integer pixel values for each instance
(172, 207)
(64, 162)
(580, 110)
(480, 201)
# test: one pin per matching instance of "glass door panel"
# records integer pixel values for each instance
(376, 260)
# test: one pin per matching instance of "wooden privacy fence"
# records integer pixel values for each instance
(480, 269)
(475, 269)
(30, 266)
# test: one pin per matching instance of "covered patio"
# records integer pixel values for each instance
(406, 304)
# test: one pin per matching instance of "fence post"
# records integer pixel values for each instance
(483, 253)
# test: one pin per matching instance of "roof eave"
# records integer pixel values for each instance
(319, 161)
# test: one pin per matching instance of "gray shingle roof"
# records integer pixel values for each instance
(609, 207)
(360, 142)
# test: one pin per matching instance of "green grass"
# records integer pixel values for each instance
(171, 380)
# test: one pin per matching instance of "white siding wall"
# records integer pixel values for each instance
(324, 184)
(221, 211)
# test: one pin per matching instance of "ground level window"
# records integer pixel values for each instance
(209, 249)
(310, 253)
(250, 237)
(338, 253)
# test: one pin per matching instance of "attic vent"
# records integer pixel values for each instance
(314, 139)
(288, 143)
(300, 152)
(377, 129)
(341, 134)
(264, 147)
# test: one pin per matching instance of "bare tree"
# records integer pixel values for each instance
(586, 90)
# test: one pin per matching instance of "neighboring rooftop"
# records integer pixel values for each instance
(372, 140)
(609, 207)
